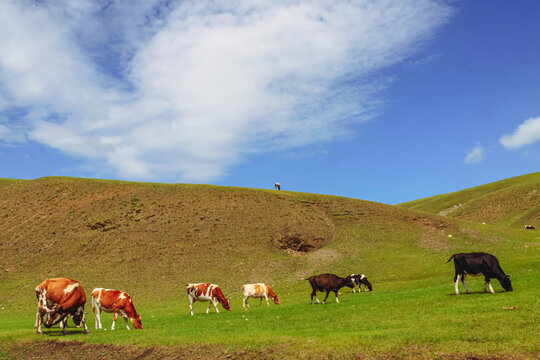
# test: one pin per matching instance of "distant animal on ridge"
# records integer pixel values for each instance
(361, 279)
(529, 227)
(477, 263)
(117, 302)
(207, 292)
(260, 290)
(277, 186)
(328, 282)
(56, 300)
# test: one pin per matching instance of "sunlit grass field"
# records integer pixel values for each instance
(400, 318)
(151, 239)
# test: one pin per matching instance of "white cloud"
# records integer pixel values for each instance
(475, 155)
(526, 134)
(186, 92)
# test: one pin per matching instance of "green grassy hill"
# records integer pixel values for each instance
(150, 239)
(512, 202)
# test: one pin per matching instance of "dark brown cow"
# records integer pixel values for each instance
(529, 227)
(56, 300)
(114, 301)
(479, 263)
(328, 282)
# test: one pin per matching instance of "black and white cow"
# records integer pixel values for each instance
(361, 279)
(477, 263)
(529, 227)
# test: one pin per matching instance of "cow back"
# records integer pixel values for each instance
(65, 294)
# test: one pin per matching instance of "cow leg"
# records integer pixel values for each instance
(127, 322)
(327, 293)
(98, 318)
(38, 322)
(191, 305)
(215, 305)
(260, 302)
(115, 316)
(314, 293)
(83, 322)
(266, 297)
(244, 302)
(337, 300)
(456, 281)
(63, 325)
(463, 280)
(487, 281)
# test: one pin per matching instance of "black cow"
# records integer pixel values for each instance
(477, 263)
(360, 279)
(328, 282)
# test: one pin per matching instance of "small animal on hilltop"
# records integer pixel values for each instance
(529, 227)
(277, 186)
(260, 290)
(56, 300)
(207, 292)
(477, 263)
(328, 282)
(361, 279)
(117, 302)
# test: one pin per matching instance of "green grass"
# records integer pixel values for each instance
(510, 202)
(150, 239)
(396, 319)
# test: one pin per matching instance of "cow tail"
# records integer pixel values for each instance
(450, 258)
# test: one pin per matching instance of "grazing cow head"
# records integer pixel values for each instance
(136, 321)
(218, 294)
(77, 319)
(50, 318)
(506, 283)
(273, 295)
(225, 304)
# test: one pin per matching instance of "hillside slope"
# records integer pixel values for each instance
(143, 237)
(512, 202)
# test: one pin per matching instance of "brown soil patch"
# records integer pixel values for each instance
(298, 243)
(74, 350)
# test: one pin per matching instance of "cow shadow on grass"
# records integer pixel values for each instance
(59, 333)
(471, 293)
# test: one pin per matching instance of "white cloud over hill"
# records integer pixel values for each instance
(153, 91)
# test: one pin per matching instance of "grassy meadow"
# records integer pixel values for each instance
(151, 239)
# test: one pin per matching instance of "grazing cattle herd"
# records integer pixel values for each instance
(60, 298)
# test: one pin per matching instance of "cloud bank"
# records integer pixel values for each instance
(184, 92)
(526, 134)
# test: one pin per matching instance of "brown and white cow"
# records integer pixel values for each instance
(207, 292)
(259, 290)
(56, 300)
(117, 302)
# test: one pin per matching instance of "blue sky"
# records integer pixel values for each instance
(384, 101)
